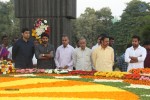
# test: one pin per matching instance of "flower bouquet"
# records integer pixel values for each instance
(6, 67)
(40, 26)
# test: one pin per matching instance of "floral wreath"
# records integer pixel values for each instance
(40, 26)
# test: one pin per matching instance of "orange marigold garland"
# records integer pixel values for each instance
(140, 71)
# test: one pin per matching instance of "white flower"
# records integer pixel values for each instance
(50, 71)
(46, 27)
(42, 24)
(39, 31)
(45, 21)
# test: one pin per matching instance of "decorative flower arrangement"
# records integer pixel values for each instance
(40, 26)
(6, 67)
(147, 78)
(57, 71)
(115, 74)
(47, 71)
(132, 76)
(79, 72)
(138, 74)
(58, 89)
(27, 71)
(140, 71)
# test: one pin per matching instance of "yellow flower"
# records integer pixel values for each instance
(2, 65)
(37, 38)
(13, 70)
(33, 32)
(3, 70)
(8, 71)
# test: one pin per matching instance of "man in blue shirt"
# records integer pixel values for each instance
(23, 51)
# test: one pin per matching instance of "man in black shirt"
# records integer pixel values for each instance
(23, 50)
(45, 53)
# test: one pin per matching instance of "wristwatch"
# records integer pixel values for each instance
(43, 55)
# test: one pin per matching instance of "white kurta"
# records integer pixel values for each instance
(10, 53)
(140, 52)
(64, 57)
(95, 46)
(82, 59)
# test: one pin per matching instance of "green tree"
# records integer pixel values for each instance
(15, 23)
(9, 25)
(92, 23)
(134, 18)
(105, 16)
(5, 23)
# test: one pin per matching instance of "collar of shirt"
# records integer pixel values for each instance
(103, 48)
(97, 44)
(136, 48)
(44, 46)
(24, 40)
(81, 49)
(66, 46)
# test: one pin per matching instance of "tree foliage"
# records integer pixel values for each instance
(133, 21)
(92, 23)
(9, 25)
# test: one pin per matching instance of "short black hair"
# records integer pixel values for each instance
(15, 38)
(111, 38)
(104, 37)
(136, 37)
(64, 35)
(101, 35)
(4, 36)
(24, 29)
(44, 34)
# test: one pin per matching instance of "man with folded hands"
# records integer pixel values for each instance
(44, 53)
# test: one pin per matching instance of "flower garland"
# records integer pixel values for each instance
(79, 72)
(28, 71)
(40, 26)
(140, 71)
(132, 76)
(115, 74)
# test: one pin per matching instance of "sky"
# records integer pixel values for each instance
(116, 6)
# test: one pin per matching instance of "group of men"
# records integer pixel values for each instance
(100, 58)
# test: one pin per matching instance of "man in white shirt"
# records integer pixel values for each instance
(98, 41)
(82, 57)
(64, 55)
(135, 55)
